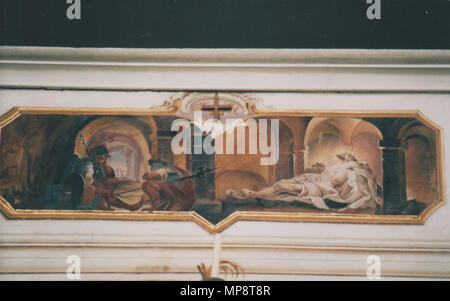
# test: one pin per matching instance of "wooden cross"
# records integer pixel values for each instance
(217, 109)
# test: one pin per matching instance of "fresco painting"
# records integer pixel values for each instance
(248, 158)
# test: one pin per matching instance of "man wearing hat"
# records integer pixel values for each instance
(105, 180)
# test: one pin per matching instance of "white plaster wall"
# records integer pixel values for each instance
(163, 250)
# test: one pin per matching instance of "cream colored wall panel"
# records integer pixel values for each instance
(168, 250)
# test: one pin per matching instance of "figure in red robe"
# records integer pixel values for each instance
(160, 195)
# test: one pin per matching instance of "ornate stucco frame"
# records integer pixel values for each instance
(171, 108)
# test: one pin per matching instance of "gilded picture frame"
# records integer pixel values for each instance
(177, 107)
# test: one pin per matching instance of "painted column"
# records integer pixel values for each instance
(299, 148)
(394, 176)
(299, 159)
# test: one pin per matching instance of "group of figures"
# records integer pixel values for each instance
(89, 183)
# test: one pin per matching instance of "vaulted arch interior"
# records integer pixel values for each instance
(328, 137)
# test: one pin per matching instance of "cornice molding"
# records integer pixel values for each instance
(225, 69)
(225, 56)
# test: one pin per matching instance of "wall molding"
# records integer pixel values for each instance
(226, 69)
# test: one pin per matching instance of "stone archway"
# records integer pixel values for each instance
(129, 138)
(125, 155)
(419, 143)
(327, 137)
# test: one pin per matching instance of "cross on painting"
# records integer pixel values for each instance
(263, 165)
(217, 109)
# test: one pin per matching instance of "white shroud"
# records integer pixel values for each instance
(348, 182)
